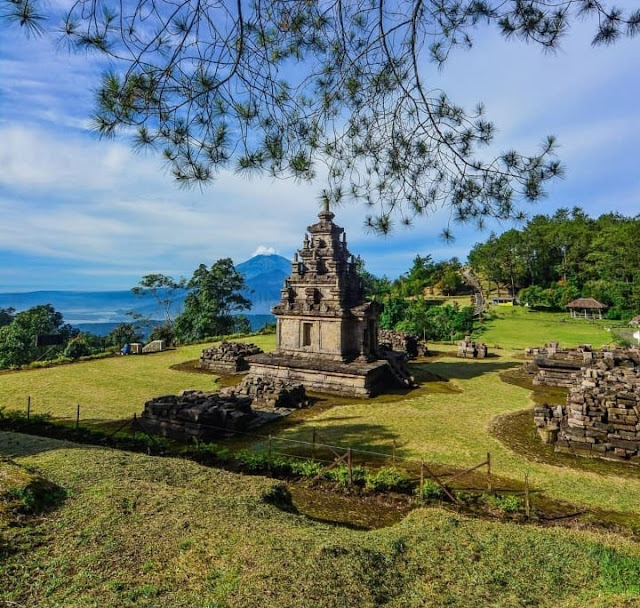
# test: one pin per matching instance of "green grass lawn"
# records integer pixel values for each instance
(443, 426)
(516, 327)
(157, 532)
(107, 389)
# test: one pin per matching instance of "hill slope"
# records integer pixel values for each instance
(147, 531)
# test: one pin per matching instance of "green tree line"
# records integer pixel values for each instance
(214, 294)
(555, 259)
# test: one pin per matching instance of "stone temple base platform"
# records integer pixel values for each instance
(355, 379)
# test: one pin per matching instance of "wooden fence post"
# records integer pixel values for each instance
(313, 444)
(269, 452)
(527, 503)
(350, 466)
(421, 475)
(489, 487)
(29, 407)
(78, 417)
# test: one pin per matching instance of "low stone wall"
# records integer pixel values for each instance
(404, 342)
(601, 417)
(469, 349)
(270, 392)
(228, 358)
(553, 366)
(197, 415)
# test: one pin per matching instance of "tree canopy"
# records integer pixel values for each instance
(18, 344)
(286, 86)
(555, 259)
(214, 294)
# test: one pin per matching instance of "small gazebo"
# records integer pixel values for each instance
(588, 308)
(635, 320)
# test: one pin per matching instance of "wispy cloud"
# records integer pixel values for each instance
(79, 211)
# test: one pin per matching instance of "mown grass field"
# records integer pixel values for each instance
(141, 531)
(106, 389)
(516, 327)
(148, 531)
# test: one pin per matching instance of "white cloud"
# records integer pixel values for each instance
(71, 198)
(264, 250)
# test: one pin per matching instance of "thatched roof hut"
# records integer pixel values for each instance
(586, 307)
(635, 320)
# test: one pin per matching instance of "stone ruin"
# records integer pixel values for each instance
(553, 366)
(197, 415)
(155, 346)
(207, 416)
(601, 417)
(412, 345)
(270, 393)
(469, 349)
(228, 357)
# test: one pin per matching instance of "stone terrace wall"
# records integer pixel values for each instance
(601, 417)
(553, 366)
(228, 358)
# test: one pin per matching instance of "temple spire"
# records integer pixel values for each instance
(326, 214)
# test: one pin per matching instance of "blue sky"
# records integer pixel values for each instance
(88, 214)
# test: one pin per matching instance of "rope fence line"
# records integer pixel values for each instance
(341, 455)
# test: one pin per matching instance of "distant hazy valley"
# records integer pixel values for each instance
(100, 311)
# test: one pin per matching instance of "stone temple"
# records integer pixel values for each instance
(327, 333)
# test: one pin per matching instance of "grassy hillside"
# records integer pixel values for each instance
(142, 531)
(448, 422)
(516, 327)
(107, 389)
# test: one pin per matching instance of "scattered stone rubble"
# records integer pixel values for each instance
(228, 358)
(469, 349)
(601, 417)
(270, 392)
(553, 366)
(197, 414)
(207, 416)
(400, 341)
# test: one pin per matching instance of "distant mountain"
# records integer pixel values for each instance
(264, 276)
(264, 264)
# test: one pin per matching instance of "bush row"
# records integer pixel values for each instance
(384, 479)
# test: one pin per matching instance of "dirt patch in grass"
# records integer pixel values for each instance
(355, 512)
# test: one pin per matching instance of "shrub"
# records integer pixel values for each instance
(306, 468)
(387, 478)
(340, 474)
(76, 348)
(251, 462)
(430, 491)
(505, 503)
